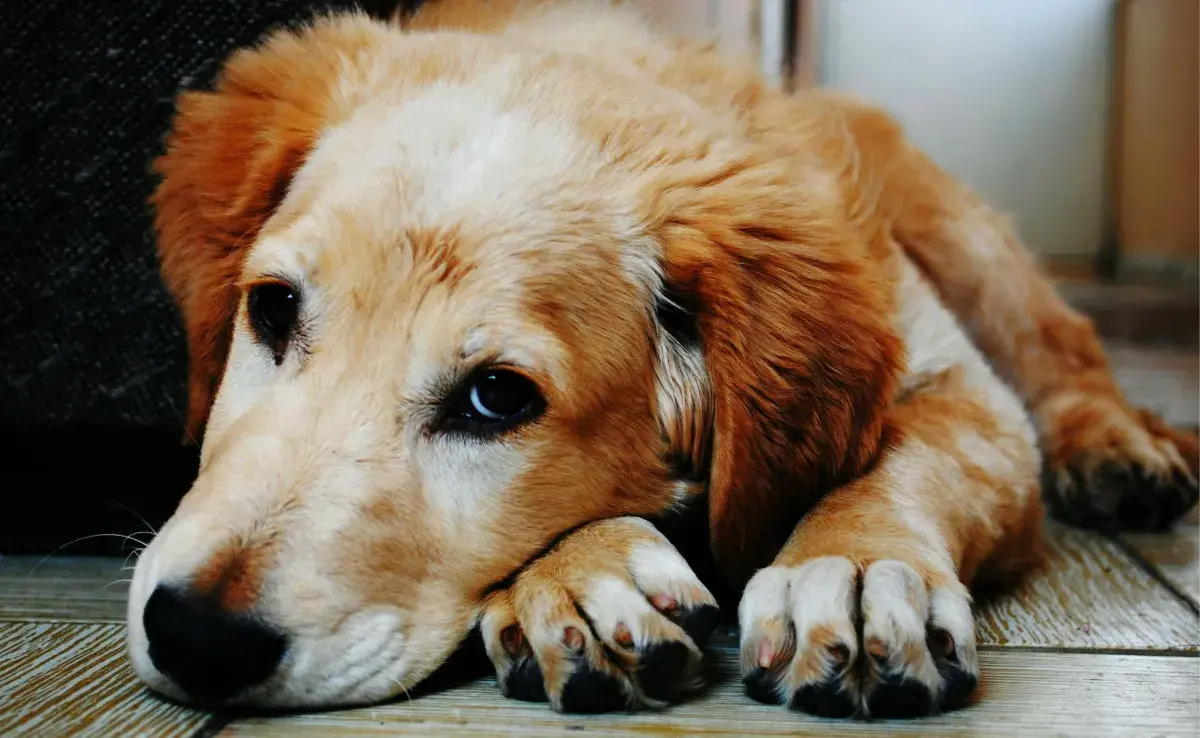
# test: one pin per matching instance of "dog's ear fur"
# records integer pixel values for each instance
(230, 157)
(790, 320)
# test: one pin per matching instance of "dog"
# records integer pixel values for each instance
(484, 300)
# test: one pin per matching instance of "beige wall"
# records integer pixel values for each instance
(1013, 96)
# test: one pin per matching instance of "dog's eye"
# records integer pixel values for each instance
(492, 401)
(273, 309)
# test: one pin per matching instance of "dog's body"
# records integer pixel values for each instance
(472, 296)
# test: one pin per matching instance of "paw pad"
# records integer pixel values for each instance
(589, 691)
(659, 667)
(525, 682)
(825, 699)
(897, 696)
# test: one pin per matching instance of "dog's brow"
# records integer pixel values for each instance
(256, 278)
(474, 342)
(484, 345)
(277, 256)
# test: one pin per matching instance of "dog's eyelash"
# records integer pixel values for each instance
(457, 409)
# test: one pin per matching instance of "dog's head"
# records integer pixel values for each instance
(446, 299)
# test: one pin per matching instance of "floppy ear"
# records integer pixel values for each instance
(230, 157)
(791, 322)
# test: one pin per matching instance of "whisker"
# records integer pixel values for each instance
(123, 537)
(135, 514)
(140, 533)
(403, 689)
(136, 555)
(119, 581)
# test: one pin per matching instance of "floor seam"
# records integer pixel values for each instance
(1153, 571)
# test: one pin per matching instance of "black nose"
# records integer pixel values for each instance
(210, 653)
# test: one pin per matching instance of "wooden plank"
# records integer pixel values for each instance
(1176, 556)
(63, 588)
(1091, 596)
(1168, 382)
(69, 679)
(1020, 693)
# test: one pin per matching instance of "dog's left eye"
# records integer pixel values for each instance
(273, 309)
(492, 401)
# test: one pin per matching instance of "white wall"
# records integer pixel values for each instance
(1010, 95)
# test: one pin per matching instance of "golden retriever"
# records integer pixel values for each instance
(474, 296)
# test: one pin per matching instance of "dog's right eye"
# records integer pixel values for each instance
(273, 309)
(491, 402)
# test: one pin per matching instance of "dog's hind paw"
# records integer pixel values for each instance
(1112, 469)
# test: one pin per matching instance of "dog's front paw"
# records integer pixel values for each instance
(611, 618)
(1115, 469)
(831, 639)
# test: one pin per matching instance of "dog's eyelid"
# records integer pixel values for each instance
(474, 358)
(473, 366)
(248, 283)
(519, 362)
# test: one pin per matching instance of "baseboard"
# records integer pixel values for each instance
(1167, 271)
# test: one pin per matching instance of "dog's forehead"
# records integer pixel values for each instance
(453, 157)
(495, 174)
(459, 212)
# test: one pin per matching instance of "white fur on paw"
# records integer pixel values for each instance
(594, 635)
(830, 640)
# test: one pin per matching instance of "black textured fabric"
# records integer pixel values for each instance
(92, 356)
(88, 336)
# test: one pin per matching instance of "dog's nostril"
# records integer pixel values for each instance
(210, 653)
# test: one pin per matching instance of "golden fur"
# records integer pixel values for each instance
(541, 185)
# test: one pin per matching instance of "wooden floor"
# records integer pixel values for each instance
(1104, 642)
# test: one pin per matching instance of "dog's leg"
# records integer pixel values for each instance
(612, 617)
(866, 609)
(1108, 464)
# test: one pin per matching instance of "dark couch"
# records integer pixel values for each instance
(92, 358)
